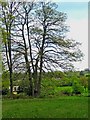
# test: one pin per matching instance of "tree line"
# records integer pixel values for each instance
(34, 41)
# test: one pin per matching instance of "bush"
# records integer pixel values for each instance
(47, 91)
(77, 88)
(67, 91)
(84, 81)
(66, 82)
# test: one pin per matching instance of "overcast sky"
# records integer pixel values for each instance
(77, 13)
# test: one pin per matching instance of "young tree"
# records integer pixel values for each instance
(8, 10)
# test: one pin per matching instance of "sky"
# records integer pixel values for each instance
(77, 13)
(70, 0)
(77, 19)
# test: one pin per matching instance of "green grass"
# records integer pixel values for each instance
(64, 107)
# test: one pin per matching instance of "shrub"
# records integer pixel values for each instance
(84, 81)
(67, 91)
(77, 88)
(47, 91)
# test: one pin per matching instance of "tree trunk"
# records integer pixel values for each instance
(41, 59)
(27, 64)
(30, 84)
(11, 83)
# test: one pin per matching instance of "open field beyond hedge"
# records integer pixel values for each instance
(64, 107)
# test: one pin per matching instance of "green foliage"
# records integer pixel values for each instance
(5, 80)
(4, 34)
(4, 91)
(77, 88)
(47, 91)
(67, 91)
(84, 81)
(69, 84)
(58, 74)
(65, 82)
(86, 93)
(55, 75)
(53, 84)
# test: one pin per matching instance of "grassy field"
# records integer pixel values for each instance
(64, 107)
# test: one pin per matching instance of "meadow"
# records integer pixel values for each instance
(62, 107)
(63, 95)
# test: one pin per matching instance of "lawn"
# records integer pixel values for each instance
(64, 107)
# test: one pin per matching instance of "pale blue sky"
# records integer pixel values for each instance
(77, 19)
(76, 10)
(69, 0)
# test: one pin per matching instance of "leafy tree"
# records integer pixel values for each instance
(23, 42)
(7, 19)
(39, 43)
(54, 51)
